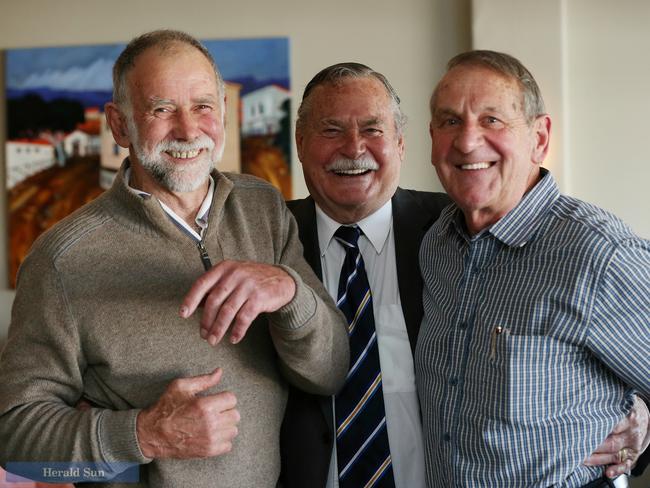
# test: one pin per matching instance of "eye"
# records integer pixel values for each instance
(491, 121)
(162, 111)
(373, 131)
(331, 131)
(204, 108)
(449, 122)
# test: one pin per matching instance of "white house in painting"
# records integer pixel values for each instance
(26, 157)
(261, 112)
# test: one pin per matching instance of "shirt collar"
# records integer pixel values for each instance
(375, 227)
(518, 226)
(201, 218)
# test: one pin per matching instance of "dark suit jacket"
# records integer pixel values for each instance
(307, 436)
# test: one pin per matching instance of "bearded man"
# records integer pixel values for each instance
(105, 302)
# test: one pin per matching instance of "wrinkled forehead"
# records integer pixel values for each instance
(477, 79)
(351, 97)
(172, 77)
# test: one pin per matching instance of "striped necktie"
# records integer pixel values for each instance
(362, 448)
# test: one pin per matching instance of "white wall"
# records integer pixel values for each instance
(609, 92)
(590, 58)
(409, 41)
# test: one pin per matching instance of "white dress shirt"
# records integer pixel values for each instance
(404, 426)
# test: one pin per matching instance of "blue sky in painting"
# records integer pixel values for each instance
(251, 62)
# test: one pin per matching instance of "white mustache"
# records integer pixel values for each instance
(344, 164)
(201, 142)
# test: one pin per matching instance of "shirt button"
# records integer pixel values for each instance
(446, 437)
(453, 381)
(463, 325)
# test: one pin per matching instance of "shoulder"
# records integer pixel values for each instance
(589, 224)
(84, 229)
(72, 230)
(250, 184)
(253, 194)
(430, 202)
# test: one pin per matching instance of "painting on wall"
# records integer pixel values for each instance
(60, 153)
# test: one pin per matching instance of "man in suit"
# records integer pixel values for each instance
(349, 136)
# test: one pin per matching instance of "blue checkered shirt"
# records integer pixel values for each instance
(535, 335)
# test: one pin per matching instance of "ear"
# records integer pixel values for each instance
(542, 134)
(117, 122)
(401, 146)
(224, 109)
(299, 141)
(431, 136)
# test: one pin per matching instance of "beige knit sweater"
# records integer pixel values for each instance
(96, 316)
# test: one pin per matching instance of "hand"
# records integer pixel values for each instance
(183, 425)
(235, 293)
(630, 433)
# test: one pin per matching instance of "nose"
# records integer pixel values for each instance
(468, 138)
(353, 146)
(186, 126)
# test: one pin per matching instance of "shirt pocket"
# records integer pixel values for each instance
(543, 375)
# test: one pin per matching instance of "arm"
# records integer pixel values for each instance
(618, 337)
(307, 329)
(41, 378)
(620, 322)
(631, 434)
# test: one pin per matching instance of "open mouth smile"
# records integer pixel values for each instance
(351, 172)
(184, 154)
(477, 166)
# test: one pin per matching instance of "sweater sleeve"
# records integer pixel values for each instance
(41, 379)
(309, 333)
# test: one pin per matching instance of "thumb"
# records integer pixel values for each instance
(197, 384)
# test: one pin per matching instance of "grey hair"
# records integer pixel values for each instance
(163, 39)
(343, 71)
(505, 65)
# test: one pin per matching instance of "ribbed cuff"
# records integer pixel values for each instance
(118, 439)
(300, 309)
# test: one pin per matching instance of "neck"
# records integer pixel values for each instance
(184, 204)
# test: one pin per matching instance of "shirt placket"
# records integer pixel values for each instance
(464, 332)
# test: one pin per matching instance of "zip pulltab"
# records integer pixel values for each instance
(205, 257)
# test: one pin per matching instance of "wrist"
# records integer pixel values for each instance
(146, 442)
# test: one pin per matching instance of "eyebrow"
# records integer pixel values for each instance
(363, 122)
(155, 101)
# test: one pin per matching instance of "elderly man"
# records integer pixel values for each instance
(100, 312)
(348, 113)
(536, 325)
(350, 141)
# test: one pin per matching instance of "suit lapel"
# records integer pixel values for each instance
(305, 213)
(410, 223)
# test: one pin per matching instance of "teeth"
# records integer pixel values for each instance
(476, 166)
(351, 171)
(184, 154)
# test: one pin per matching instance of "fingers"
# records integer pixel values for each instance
(195, 384)
(200, 289)
(615, 470)
(183, 424)
(234, 294)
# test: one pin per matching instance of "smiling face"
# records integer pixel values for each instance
(350, 148)
(174, 125)
(485, 152)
